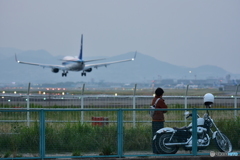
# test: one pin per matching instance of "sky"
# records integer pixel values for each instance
(187, 33)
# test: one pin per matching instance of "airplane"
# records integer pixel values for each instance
(75, 64)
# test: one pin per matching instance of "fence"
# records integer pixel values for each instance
(72, 126)
(52, 134)
(110, 102)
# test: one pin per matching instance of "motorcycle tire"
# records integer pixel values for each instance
(222, 142)
(160, 141)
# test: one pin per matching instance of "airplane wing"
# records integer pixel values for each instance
(107, 63)
(61, 67)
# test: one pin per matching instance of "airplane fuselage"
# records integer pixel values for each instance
(74, 66)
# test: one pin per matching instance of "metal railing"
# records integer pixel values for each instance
(120, 137)
(110, 102)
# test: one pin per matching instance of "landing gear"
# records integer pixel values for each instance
(64, 73)
(84, 74)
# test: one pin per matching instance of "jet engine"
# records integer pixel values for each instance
(88, 70)
(55, 70)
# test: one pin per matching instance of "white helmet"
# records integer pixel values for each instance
(208, 99)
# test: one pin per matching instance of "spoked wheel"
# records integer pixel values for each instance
(223, 143)
(161, 146)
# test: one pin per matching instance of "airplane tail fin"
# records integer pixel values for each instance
(81, 48)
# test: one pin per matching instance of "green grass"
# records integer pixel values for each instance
(82, 138)
(231, 127)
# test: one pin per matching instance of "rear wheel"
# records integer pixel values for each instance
(160, 143)
(222, 142)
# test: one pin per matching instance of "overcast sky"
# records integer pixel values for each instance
(181, 32)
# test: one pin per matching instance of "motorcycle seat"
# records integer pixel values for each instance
(182, 128)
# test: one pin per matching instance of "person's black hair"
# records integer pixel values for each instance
(159, 91)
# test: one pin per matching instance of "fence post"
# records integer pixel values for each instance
(185, 102)
(194, 132)
(235, 102)
(28, 99)
(120, 132)
(134, 106)
(42, 134)
(82, 104)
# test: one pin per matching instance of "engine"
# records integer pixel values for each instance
(55, 70)
(88, 70)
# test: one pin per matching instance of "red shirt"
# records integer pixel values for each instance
(159, 115)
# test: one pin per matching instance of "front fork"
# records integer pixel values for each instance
(217, 130)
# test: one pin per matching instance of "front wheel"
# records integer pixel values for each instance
(160, 143)
(222, 142)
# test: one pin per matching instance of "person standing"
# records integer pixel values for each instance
(158, 116)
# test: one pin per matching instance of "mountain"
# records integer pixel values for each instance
(144, 69)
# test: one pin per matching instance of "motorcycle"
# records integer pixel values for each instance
(168, 140)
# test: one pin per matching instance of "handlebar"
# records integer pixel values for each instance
(190, 115)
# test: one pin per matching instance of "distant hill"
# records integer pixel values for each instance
(144, 69)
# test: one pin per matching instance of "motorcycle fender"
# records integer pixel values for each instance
(163, 130)
(214, 134)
